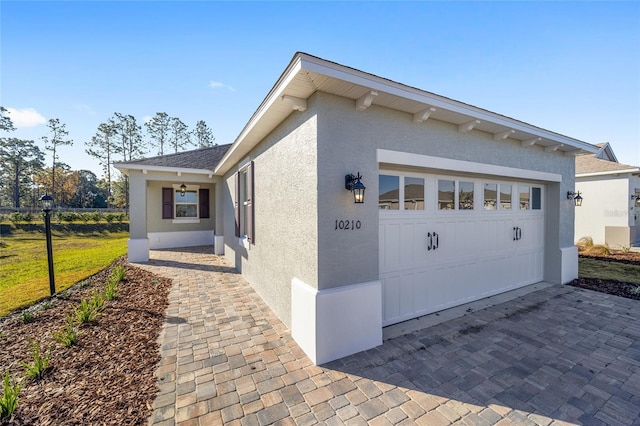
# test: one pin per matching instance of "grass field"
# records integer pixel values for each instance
(79, 251)
(593, 268)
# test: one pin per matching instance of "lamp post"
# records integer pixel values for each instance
(47, 205)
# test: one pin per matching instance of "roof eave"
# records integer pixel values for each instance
(308, 63)
(609, 172)
(149, 168)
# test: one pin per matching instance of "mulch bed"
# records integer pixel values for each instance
(616, 288)
(108, 376)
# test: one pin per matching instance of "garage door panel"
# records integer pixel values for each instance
(473, 254)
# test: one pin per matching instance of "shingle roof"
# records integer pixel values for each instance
(203, 158)
(590, 164)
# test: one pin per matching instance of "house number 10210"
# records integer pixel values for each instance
(345, 225)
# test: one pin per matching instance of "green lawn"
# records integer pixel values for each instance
(593, 268)
(79, 251)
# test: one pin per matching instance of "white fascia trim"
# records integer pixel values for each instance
(148, 168)
(612, 172)
(439, 163)
(380, 84)
(275, 94)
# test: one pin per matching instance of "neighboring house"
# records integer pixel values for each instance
(610, 211)
(461, 203)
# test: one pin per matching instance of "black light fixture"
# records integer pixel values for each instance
(353, 184)
(183, 189)
(576, 197)
(47, 206)
(636, 197)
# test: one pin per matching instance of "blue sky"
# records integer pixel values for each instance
(572, 68)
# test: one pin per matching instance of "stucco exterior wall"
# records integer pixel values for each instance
(606, 203)
(155, 222)
(347, 143)
(285, 179)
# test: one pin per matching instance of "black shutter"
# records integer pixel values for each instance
(203, 200)
(167, 203)
(236, 205)
(251, 204)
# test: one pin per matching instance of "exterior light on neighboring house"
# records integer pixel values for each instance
(183, 189)
(576, 197)
(353, 184)
(47, 206)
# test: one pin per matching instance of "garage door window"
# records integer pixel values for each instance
(389, 198)
(524, 198)
(491, 193)
(465, 195)
(505, 197)
(413, 193)
(446, 194)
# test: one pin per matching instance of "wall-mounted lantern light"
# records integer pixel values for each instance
(576, 197)
(353, 184)
(636, 197)
(183, 189)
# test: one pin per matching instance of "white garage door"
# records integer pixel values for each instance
(448, 240)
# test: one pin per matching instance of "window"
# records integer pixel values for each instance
(244, 205)
(186, 204)
(497, 196)
(524, 197)
(413, 193)
(505, 197)
(465, 195)
(490, 196)
(389, 190)
(193, 205)
(536, 198)
(446, 194)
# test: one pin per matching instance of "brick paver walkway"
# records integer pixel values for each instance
(556, 356)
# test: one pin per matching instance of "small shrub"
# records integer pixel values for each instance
(9, 399)
(68, 336)
(98, 302)
(111, 290)
(109, 217)
(635, 291)
(27, 317)
(85, 217)
(46, 305)
(122, 217)
(3, 244)
(626, 249)
(27, 217)
(36, 369)
(96, 216)
(89, 309)
(584, 243)
(15, 217)
(600, 249)
(118, 273)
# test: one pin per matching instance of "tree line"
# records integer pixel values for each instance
(24, 176)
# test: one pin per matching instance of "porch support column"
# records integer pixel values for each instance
(218, 238)
(138, 246)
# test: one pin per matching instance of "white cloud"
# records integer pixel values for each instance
(26, 117)
(217, 85)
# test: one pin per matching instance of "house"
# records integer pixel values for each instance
(610, 210)
(351, 202)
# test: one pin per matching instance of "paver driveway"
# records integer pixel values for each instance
(556, 355)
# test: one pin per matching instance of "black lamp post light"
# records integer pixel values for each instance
(47, 206)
